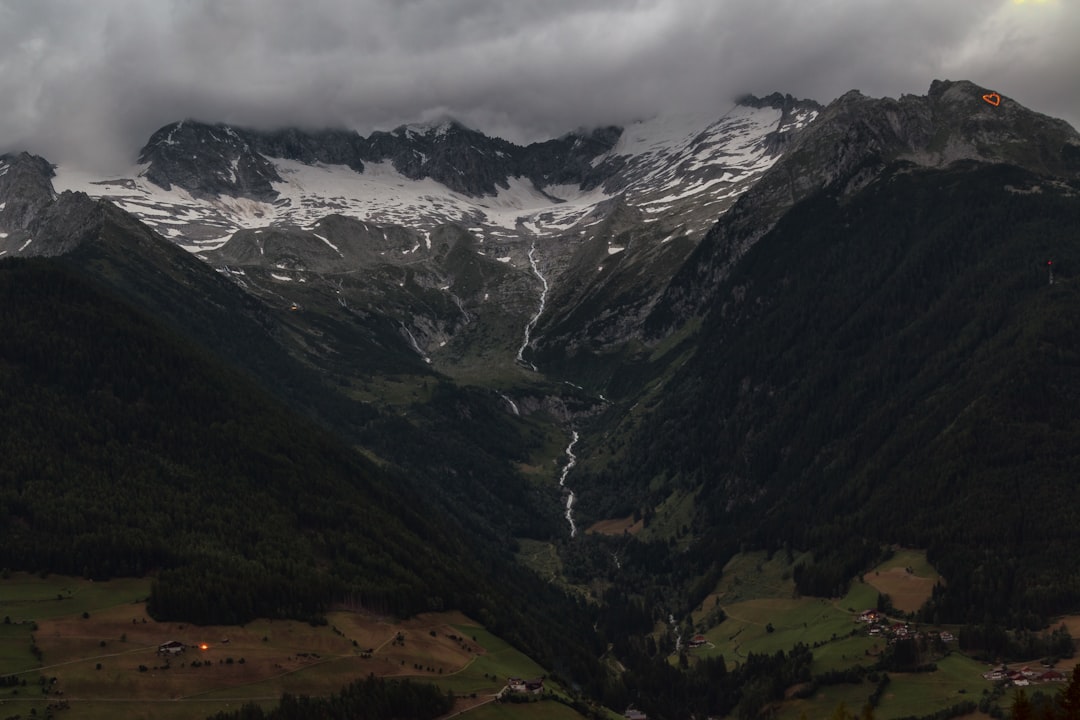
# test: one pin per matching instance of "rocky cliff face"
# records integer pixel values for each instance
(213, 160)
(36, 221)
(25, 188)
(207, 160)
(853, 140)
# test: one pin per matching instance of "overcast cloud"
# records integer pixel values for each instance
(87, 82)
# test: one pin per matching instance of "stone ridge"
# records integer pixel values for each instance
(211, 160)
(850, 143)
(25, 188)
(207, 161)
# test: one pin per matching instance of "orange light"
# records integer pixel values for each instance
(204, 646)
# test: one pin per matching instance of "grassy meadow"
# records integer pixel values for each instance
(757, 593)
(99, 644)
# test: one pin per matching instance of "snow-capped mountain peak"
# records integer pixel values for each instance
(199, 183)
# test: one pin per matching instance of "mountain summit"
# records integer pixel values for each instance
(856, 137)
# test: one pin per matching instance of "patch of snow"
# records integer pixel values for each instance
(613, 249)
(503, 259)
(25, 244)
(280, 277)
(335, 247)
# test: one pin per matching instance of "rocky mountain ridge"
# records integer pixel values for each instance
(854, 140)
(608, 220)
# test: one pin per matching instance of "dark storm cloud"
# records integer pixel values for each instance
(87, 82)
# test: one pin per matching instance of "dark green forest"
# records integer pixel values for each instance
(369, 699)
(129, 450)
(892, 367)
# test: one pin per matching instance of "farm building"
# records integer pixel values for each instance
(530, 686)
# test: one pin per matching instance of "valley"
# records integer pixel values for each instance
(657, 413)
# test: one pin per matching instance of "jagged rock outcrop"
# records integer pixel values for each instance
(25, 189)
(208, 160)
(211, 160)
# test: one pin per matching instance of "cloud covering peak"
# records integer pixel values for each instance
(87, 83)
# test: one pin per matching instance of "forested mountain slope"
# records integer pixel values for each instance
(889, 367)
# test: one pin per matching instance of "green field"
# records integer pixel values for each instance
(99, 644)
(805, 620)
(499, 662)
(31, 597)
(15, 652)
(913, 694)
(908, 693)
(757, 591)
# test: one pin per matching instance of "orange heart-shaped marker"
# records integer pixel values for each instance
(993, 98)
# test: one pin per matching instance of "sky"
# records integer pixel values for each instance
(87, 83)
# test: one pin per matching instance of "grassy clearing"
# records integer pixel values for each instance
(750, 576)
(957, 678)
(15, 652)
(756, 591)
(541, 557)
(1072, 622)
(616, 526)
(672, 516)
(746, 629)
(487, 673)
(822, 704)
(860, 596)
(543, 464)
(846, 653)
(30, 597)
(390, 391)
(907, 578)
(106, 664)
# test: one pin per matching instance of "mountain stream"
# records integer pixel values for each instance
(540, 311)
(571, 460)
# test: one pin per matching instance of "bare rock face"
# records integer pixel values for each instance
(25, 189)
(330, 147)
(218, 160)
(208, 160)
(33, 219)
